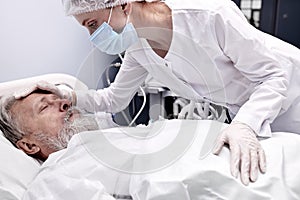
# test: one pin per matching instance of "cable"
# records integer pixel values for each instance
(120, 56)
(204, 111)
(117, 64)
(107, 76)
(178, 104)
(144, 102)
(142, 90)
(183, 112)
(143, 105)
(191, 110)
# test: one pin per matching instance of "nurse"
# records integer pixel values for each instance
(200, 49)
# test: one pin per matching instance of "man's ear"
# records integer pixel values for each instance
(28, 146)
(127, 8)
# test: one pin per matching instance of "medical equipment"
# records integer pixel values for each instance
(160, 101)
(181, 108)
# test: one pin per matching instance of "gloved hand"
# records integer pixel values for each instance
(43, 85)
(246, 152)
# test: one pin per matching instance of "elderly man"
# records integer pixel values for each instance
(42, 122)
(45, 126)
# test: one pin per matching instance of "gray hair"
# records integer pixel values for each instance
(8, 123)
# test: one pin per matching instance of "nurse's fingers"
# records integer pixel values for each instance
(220, 143)
(24, 92)
(254, 165)
(41, 85)
(262, 160)
(245, 166)
(235, 159)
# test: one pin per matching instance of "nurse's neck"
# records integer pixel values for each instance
(153, 21)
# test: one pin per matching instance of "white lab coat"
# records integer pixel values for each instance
(217, 55)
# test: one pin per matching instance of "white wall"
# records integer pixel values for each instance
(37, 38)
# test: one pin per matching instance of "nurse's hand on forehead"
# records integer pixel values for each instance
(45, 86)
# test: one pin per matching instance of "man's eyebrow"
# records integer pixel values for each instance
(42, 99)
(37, 104)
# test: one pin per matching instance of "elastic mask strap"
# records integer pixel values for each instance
(127, 19)
(110, 12)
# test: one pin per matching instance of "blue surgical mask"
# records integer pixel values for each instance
(111, 42)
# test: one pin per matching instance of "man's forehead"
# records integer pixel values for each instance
(33, 97)
(27, 103)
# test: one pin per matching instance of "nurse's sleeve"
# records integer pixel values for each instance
(246, 48)
(118, 95)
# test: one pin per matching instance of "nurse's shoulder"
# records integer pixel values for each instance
(208, 5)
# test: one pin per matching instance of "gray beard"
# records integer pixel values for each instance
(85, 122)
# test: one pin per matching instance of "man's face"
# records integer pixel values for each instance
(42, 112)
(42, 115)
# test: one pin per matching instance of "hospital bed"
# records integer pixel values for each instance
(186, 170)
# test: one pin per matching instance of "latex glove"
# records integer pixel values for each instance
(246, 152)
(43, 85)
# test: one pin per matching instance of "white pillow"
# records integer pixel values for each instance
(17, 170)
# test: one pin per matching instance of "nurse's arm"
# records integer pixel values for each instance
(247, 49)
(118, 95)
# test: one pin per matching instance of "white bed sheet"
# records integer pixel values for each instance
(210, 178)
(81, 171)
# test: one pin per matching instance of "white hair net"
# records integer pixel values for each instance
(75, 7)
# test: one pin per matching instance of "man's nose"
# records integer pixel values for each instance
(64, 104)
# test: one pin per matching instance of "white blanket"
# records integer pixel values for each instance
(168, 160)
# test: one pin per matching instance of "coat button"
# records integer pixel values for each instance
(166, 64)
